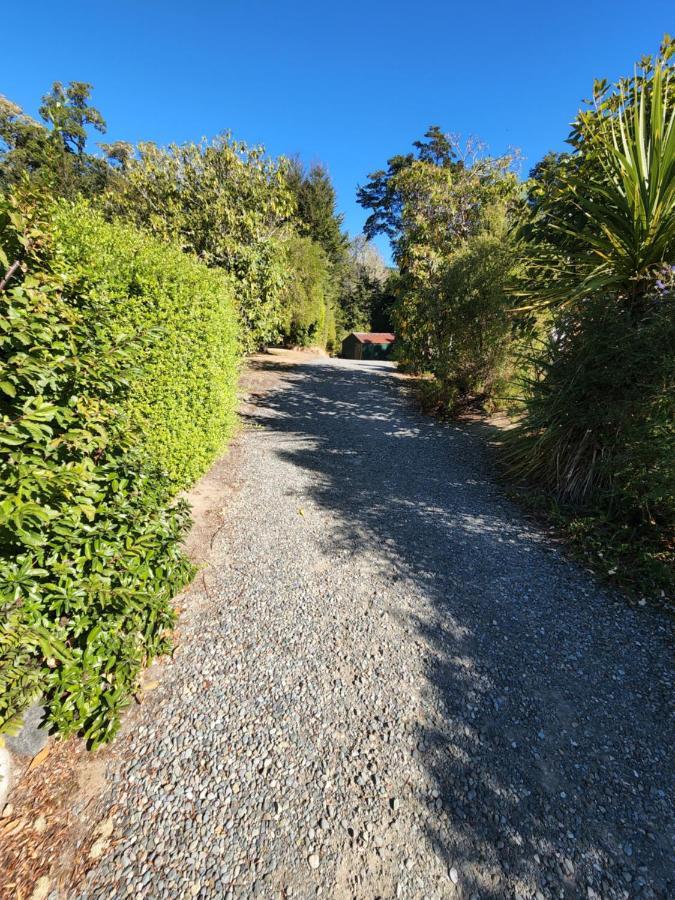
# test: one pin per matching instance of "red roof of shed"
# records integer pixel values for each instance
(374, 337)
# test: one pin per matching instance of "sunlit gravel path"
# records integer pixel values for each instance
(391, 684)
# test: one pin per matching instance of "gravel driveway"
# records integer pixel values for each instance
(392, 684)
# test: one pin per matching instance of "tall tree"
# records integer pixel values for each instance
(364, 300)
(435, 197)
(68, 111)
(383, 193)
(445, 207)
(316, 208)
(53, 152)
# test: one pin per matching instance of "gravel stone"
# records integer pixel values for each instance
(32, 736)
(386, 660)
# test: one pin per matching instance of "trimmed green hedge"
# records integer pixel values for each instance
(183, 396)
(117, 386)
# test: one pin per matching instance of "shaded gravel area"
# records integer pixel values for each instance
(391, 684)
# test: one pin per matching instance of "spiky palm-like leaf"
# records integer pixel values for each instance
(622, 182)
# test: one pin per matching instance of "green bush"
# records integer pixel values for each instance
(597, 430)
(471, 340)
(447, 209)
(307, 302)
(89, 540)
(597, 424)
(225, 202)
(182, 398)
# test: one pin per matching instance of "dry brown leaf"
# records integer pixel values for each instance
(40, 757)
(98, 848)
(12, 826)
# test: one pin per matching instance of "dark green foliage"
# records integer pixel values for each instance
(89, 544)
(598, 435)
(308, 304)
(600, 409)
(382, 303)
(316, 216)
(182, 399)
(357, 299)
(597, 429)
(365, 297)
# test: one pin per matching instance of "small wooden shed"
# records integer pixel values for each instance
(367, 345)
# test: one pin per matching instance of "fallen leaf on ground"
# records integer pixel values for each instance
(39, 758)
(12, 826)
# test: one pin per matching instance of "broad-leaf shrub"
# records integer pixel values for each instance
(182, 395)
(89, 538)
(228, 204)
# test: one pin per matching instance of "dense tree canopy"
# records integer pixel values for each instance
(53, 152)
(438, 205)
(365, 294)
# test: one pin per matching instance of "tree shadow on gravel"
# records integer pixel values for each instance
(550, 704)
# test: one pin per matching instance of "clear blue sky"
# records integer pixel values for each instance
(347, 83)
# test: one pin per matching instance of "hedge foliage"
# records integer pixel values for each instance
(182, 399)
(89, 548)
(117, 379)
(124, 315)
(225, 202)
